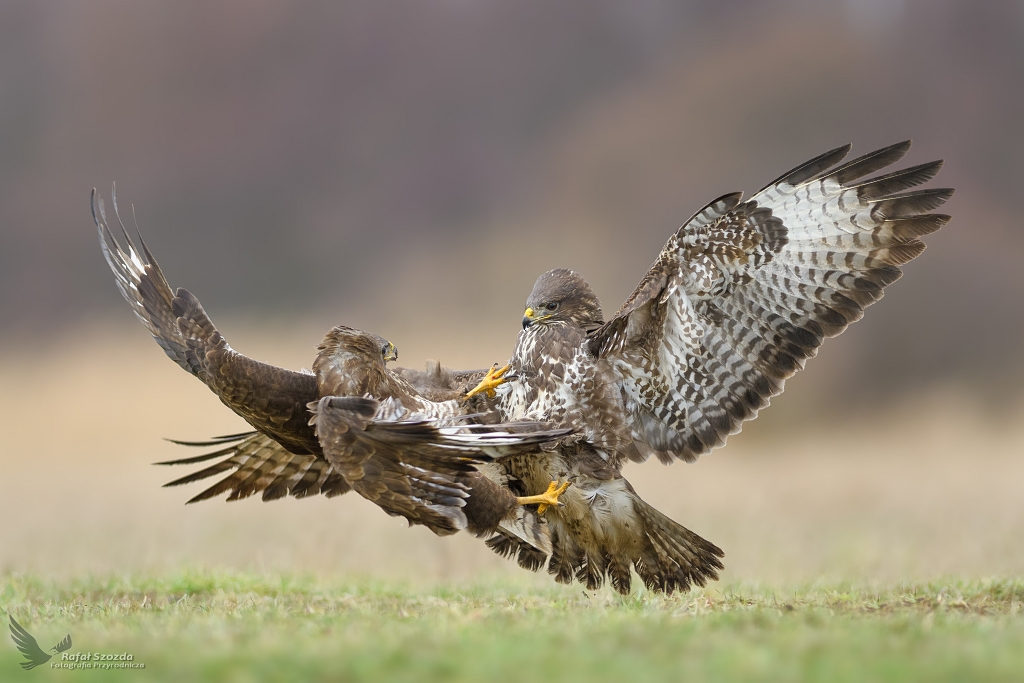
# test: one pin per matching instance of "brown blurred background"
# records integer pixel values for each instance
(411, 167)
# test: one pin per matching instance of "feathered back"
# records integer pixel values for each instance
(350, 362)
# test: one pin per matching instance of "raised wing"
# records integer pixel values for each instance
(255, 463)
(411, 467)
(28, 646)
(745, 292)
(271, 399)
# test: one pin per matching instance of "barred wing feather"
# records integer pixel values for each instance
(270, 398)
(413, 467)
(254, 463)
(746, 291)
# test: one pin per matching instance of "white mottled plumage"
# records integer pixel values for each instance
(737, 301)
(744, 293)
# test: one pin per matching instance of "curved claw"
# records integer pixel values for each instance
(493, 379)
(547, 499)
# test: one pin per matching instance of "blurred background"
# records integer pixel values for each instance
(411, 167)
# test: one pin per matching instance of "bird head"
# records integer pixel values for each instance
(561, 295)
(351, 361)
(348, 341)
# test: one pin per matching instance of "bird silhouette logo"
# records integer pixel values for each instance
(30, 648)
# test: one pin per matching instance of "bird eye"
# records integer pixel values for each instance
(384, 350)
(552, 306)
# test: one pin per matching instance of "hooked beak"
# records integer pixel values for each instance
(391, 353)
(528, 318)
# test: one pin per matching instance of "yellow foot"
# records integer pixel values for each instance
(549, 497)
(494, 378)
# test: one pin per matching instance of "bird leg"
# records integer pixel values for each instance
(549, 497)
(493, 378)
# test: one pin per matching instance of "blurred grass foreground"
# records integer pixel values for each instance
(239, 627)
(407, 167)
(877, 546)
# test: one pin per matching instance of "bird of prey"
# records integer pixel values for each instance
(736, 302)
(30, 648)
(351, 423)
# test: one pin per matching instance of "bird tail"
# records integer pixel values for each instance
(673, 557)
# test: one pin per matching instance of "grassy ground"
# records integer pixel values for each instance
(241, 627)
(833, 535)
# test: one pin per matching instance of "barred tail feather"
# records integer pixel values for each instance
(673, 557)
(566, 556)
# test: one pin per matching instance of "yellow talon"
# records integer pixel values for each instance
(546, 499)
(494, 378)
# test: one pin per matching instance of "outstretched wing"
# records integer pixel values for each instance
(255, 463)
(271, 399)
(28, 646)
(745, 292)
(411, 467)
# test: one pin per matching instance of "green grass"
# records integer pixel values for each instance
(240, 627)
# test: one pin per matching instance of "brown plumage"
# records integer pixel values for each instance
(736, 302)
(417, 469)
(740, 297)
(351, 424)
(439, 383)
(255, 463)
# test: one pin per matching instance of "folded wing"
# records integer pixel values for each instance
(411, 467)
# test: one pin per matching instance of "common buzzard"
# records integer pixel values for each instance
(352, 423)
(740, 297)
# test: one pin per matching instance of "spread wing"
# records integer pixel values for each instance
(255, 463)
(746, 291)
(411, 467)
(28, 646)
(271, 399)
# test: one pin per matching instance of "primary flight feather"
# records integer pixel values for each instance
(736, 302)
(351, 424)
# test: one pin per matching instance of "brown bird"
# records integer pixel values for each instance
(737, 301)
(350, 424)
